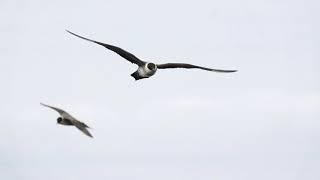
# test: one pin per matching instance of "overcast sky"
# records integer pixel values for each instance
(262, 122)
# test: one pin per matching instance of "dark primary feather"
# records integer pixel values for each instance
(82, 127)
(60, 111)
(189, 66)
(125, 54)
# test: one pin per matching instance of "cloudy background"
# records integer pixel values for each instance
(262, 122)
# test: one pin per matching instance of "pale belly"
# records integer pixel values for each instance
(144, 72)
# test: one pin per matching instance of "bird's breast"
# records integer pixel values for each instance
(146, 72)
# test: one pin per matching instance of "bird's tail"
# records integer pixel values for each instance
(136, 75)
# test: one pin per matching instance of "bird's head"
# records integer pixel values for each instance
(59, 120)
(152, 66)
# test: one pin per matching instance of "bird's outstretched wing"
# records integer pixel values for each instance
(82, 127)
(189, 66)
(60, 111)
(125, 54)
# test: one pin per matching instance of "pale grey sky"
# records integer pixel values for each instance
(259, 123)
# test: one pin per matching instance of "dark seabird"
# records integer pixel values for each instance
(66, 119)
(147, 69)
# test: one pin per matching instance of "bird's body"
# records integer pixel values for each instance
(147, 69)
(64, 121)
(144, 71)
(67, 120)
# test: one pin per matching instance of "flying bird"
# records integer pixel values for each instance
(66, 119)
(147, 69)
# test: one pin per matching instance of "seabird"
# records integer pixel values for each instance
(66, 119)
(147, 69)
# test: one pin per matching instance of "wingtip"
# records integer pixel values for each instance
(72, 33)
(89, 135)
(69, 31)
(229, 71)
(224, 71)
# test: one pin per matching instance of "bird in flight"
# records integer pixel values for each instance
(66, 119)
(147, 69)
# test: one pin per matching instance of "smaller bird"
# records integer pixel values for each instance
(148, 69)
(67, 120)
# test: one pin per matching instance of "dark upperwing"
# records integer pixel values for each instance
(125, 54)
(189, 66)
